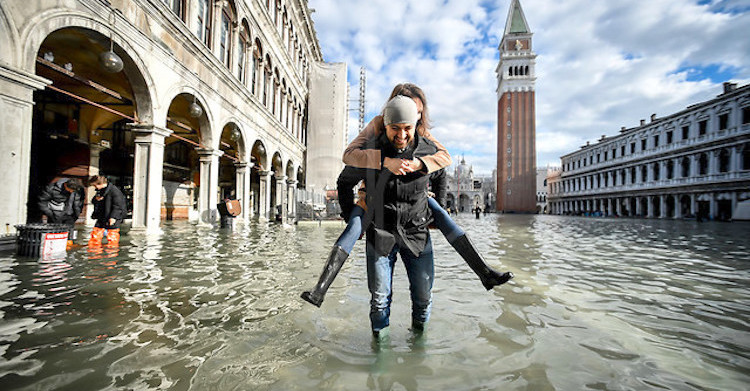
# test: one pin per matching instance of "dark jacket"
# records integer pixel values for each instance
(397, 203)
(58, 205)
(109, 203)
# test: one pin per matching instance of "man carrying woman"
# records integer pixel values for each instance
(362, 155)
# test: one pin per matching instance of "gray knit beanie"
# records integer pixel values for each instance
(400, 110)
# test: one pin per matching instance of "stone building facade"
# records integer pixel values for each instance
(693, 163)
(465, 191)
(179, 102)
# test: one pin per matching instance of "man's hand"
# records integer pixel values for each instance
(112, 222)
(402, 166)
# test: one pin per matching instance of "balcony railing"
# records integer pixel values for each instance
(665, 183)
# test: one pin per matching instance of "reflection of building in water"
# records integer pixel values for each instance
(179, 102)
(693, 163)
(470, 191)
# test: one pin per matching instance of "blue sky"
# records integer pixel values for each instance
(600, 65)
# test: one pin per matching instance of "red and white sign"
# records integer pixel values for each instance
(54, 244)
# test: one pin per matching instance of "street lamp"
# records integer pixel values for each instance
(195, 109)
(109, 60)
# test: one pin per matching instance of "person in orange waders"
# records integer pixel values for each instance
(110, 210)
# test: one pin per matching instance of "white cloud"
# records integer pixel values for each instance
(600, 65)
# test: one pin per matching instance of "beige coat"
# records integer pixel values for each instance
(355, 156)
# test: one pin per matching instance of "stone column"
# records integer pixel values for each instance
(95, 151)
(694, 169)
(662, 170)
(16, 112)
(291, 186)
(265, 195)
(662, 206)
(233, 42)
(216, 28)
(677, 206)
(280, 196)
(712, 205)
(147, 175)
(693, 209)
(209, 175)
(242, 180)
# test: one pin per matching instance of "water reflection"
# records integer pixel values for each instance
(596, 303)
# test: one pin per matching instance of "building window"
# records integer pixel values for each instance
(670, 170)
(685, 167)
(204, 22)
(644, 174)
(614, 153)
(703, 164)
(255, 78)
(746, 115)
(632, 174)
(685, 132)
(656, 140)
(225, 44)
(598, 157)
(746, 157)
(723, 121)
(656, 171)
(643, 144)
(702, 127)
(242, 56)
(177, 6)
(669, 137)
(632, 148)
(724, 157)
(622, 151)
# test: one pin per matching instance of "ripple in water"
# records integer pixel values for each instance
(596, 304)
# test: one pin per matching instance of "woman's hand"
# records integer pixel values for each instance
(402, 166)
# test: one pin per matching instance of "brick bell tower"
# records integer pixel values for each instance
(516, 125)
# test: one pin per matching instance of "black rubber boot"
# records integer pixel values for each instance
(468, 252)
(335, 260)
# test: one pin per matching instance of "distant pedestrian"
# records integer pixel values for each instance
(110, 210)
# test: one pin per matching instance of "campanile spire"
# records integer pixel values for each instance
(516, 125)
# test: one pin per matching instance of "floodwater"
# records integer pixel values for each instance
(600, 304)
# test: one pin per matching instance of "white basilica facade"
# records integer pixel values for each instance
(180, 103)
(693, 163)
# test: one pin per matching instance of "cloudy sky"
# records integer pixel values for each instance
(600, 64)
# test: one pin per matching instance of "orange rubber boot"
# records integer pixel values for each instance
(96, 236)
(113, 237)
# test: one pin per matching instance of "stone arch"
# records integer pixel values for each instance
(135, 69)
(290, 169)
(94, 138)
(300, 177)
(8, 30)
(181, 99)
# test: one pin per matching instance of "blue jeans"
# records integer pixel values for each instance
(353, 230)
(443, 222)
(421, 272)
